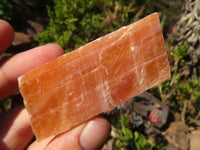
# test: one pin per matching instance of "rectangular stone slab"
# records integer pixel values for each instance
(95, 78)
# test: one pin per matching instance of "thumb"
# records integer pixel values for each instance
(88, 136)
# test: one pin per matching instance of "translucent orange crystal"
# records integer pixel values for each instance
(95, 78)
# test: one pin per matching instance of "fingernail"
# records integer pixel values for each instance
(94, 134)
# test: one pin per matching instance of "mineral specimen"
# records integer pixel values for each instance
(95, 78)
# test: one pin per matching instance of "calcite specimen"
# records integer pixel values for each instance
(95, 78)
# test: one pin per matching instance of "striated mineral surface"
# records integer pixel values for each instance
(95, 78)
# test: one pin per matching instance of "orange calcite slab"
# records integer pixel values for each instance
(95, 78)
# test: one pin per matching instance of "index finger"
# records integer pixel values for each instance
(23, 62)
(6, 35)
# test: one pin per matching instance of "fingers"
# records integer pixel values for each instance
(95, 134)
(39, 145)
(15, 129)
(6, 35)
(88, 136)
(22, 63)
(16, 132)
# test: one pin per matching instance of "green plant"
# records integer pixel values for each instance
(5, 9)
(75, 23)
(5, 105)
(142, 143)
(125, 135)
(180, 53)
(126, 138)
(190, 91)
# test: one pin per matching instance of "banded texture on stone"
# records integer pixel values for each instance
(95, 78)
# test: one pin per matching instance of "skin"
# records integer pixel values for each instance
(15, 127)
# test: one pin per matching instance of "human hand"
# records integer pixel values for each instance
(15, 127)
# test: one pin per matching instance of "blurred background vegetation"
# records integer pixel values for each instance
(75, 23)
